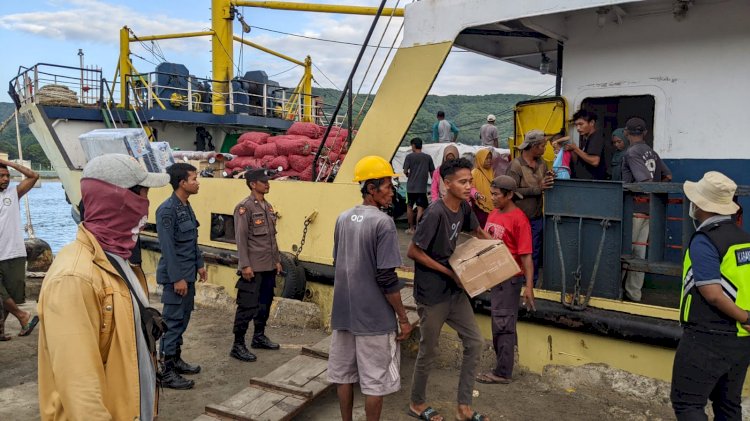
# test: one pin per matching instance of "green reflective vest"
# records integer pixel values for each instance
(733, 245)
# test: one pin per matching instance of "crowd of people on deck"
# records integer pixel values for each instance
(98, 334)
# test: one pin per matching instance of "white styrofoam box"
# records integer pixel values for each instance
(161, 153)
(133, 142)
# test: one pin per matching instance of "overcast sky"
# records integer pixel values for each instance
(52, 31)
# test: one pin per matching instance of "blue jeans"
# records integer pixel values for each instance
(537, 238)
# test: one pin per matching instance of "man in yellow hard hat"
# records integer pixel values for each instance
(368, 318)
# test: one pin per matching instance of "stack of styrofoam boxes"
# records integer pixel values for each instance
(154, 156)
(161, 157)
(133, 142)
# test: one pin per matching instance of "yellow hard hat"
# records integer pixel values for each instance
(373, 167)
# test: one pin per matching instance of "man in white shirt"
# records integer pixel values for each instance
(12, 249)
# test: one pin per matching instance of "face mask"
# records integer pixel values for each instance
(114, 215)
(691, 212)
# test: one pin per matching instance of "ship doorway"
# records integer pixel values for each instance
(614, 111)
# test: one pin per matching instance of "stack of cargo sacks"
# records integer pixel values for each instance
(293, 152)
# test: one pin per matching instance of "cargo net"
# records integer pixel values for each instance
(291, 154)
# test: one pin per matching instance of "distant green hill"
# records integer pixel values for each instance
(31, 149)
(468, 112)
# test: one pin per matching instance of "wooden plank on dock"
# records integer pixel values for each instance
(267, 384)
(286, 391)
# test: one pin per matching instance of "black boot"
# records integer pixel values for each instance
(240, 352)
(181, 367)
(261, 341)
(171, 379)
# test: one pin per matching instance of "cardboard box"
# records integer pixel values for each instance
(482, 264)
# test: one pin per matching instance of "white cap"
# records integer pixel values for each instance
(123, 171)
(491, 117)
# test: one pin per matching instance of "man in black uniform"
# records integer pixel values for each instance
(259, 263)
(180, 263)
(714, 352)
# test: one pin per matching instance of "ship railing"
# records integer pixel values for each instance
(189, 93)
(52, 84)
(589, 245)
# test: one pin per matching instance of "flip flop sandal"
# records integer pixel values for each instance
(476, 416)
(26, 330)
(427, 415)
(484, 378)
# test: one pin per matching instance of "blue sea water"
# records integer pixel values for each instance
(50, 215)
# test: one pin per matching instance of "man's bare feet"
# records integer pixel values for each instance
(24, 319)
(418, 411)
(465, 413)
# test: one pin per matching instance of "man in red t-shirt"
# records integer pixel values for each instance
(509, 224)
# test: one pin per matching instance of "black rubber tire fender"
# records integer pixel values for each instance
(294, 283)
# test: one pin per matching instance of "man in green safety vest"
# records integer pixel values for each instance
(714, 352)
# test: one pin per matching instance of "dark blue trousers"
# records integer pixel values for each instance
(176, 314)
(537, 237)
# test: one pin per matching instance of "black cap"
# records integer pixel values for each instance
(257, 174)
(635, 126)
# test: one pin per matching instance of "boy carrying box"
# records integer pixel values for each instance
(509, 224)
(439, 294)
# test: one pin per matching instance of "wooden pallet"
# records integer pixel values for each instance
(286, 391)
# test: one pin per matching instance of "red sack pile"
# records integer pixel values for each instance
(310, 130)
(243, 149)
(279, 161)
(255, 137)
(240, 162)
(292, 144)
(265, 150)
(299, 163)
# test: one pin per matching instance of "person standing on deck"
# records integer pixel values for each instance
(533, 179)
(417, 167)
(640, 164)
(713, 355)
(444, 131)
(437, 189)
(96, 359)
(488, 132)
(509, 224)
(13, 250)
(588, 157)
(180, 263)
(258, 264)
(368, 318)
(439, 294)
(482, 176)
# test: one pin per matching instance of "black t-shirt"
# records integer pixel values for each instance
(420, 167)
(592, 145)
(437, 234)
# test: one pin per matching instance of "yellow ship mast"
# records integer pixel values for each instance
(222, 52)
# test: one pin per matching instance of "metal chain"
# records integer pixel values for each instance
(302, 242)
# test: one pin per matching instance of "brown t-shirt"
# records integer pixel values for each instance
(529, 185)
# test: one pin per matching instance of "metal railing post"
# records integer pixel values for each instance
(190, 93)
(627, 222)
(687, 225)
(657, 224)
(231, 96)
(265, 100)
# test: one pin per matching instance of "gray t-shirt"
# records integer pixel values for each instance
(420, 166)
(488, 134)
(642, 165)
(365, 240)
(437, 234)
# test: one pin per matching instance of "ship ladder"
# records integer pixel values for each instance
(577, 301)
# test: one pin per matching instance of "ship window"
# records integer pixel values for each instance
(222, 228)
(614, 111)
